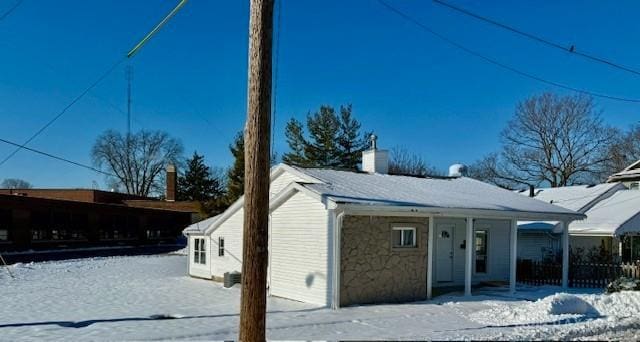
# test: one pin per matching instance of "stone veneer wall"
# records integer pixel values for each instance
(374, 272)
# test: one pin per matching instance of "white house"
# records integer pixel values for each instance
(612, 223)
(339, 238)
(630, 176)
(540, 240)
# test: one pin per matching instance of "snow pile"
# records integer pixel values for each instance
(565, 316)
(183, 251)
(563, 304)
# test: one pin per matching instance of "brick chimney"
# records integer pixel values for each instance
(172, 183)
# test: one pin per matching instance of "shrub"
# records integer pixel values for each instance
(623, 284)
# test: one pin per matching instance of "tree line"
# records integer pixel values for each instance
(551, 140)
(327, 138)
(555, 140)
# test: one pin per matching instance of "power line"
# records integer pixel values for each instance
(500, 64)
(156, 28)
(571, 49)
(10, 10)
(130, 54)
(64, 110)
(56, 157)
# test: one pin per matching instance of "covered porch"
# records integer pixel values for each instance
(408, 255)
(491, 258)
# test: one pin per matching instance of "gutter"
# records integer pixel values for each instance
(378, 210)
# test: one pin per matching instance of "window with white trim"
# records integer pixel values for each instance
(220, 246)
(199, 251)
(403, 237)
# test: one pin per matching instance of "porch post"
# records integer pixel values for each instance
(565, 254)
(468, 272)
(430, 244)
(514, 255)
(620, 248)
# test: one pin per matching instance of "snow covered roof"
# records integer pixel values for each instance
(631, 172)
(578, 198)
(200, 226)
(440, 193)
(615, 215)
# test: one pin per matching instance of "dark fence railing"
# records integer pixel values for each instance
(580, 274)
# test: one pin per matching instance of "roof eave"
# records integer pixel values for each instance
(461, 212)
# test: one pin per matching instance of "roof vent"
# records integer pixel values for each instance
(457, 170)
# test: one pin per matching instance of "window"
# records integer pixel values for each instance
(40, 223)
(199, 252)
(404, 237)
(481, 251)
(5, 224)
(634, 186)
(220, 246)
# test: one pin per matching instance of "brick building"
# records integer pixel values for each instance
(37, 219)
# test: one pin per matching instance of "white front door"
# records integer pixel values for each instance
(444, 252)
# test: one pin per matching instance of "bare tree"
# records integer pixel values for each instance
(623, 152)
(15, 183)
(137, 160)
(403, 162)
(552, 140)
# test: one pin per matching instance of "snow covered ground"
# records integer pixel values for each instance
(151, 298)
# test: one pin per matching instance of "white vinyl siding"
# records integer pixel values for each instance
(299, 251)
(231, 231)
(536, 245)
(197, 269)
(281, 182)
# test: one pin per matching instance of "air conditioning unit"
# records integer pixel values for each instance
(231, 279)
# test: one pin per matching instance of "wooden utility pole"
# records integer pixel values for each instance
(253, 307)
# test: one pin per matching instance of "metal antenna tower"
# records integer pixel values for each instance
(129, 76)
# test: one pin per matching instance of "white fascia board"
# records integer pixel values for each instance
(239, 203)
(378, 210)
(193, 233)
(274, 202)
(281, 168)
(293, 188)
(595, 234)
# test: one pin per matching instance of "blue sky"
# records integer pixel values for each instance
(412, 89)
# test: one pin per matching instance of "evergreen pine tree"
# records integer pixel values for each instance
(198, 182)
(334, 140)
(235, 175)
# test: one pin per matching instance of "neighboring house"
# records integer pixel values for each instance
(540, 240)
(630, 176)
(613, 220)
(339, 238)
(613, 223)
(46, 219)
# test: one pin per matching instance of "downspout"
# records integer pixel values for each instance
(337, 233)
